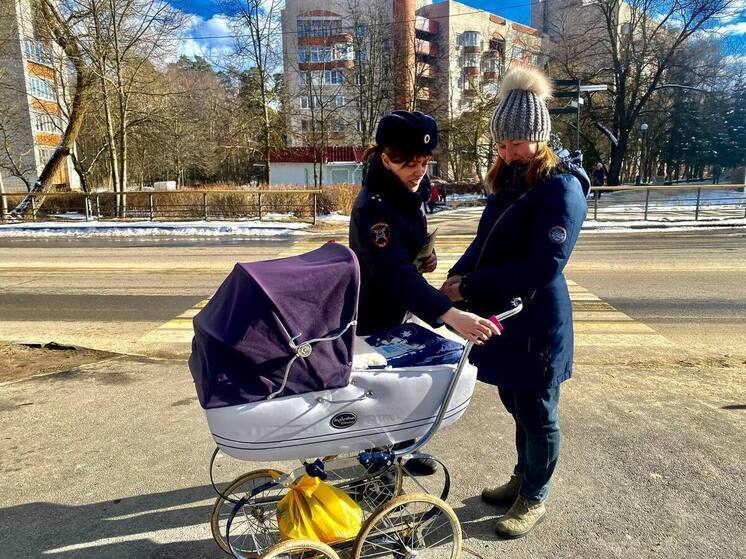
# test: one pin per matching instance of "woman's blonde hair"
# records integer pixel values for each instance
(543, 165)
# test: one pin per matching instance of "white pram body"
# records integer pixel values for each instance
(379, 407)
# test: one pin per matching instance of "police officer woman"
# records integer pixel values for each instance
(524, 239)
(388, 229)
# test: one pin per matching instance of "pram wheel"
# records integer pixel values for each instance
(237, 489)
(408, 527)
(300, 549)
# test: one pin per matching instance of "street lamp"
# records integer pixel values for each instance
(643, 131)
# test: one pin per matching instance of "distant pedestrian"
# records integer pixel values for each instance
(717, 170)
(442, 192)
(599, 175)
(434, 198)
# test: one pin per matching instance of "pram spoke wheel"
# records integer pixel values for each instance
(369, 487)
(236, 490)
(300, 549)
(411, 526)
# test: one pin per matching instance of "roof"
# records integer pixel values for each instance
(332, 154)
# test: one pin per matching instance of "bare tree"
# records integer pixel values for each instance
(371, 75)
(633, 44)
(61, 30)
(261, 18)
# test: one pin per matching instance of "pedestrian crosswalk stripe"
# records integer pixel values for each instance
(596, 322)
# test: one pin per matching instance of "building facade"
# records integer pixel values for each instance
(31, 87)
(342, 57)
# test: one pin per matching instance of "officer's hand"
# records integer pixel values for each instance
(430, 264)
(451, 288)
(470, 326)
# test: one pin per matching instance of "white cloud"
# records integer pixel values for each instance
(737, 28)
(211, 39)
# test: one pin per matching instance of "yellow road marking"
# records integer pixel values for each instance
(596, 322)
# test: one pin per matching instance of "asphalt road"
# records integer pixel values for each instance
(110, 459)
(688, 286)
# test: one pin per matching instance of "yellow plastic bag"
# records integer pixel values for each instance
(314, 510)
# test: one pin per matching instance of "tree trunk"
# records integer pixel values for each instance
(3, 200)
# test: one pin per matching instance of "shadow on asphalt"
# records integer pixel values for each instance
(478, 518)
(115, 529)
(735, 407)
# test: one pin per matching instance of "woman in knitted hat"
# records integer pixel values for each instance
(524, 239)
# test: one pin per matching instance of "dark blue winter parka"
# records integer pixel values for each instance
(388, 228)
(523, 242)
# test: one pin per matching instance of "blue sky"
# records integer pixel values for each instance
(517, 10)
(208, 21)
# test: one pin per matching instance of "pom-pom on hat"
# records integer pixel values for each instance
(410, 132)
(522, 113)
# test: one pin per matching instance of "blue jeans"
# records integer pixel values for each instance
(537, 436)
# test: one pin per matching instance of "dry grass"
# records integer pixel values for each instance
(188, 203)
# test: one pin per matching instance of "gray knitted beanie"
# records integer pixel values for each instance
(521, 113)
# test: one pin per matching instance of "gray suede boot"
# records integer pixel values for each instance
(521, 518)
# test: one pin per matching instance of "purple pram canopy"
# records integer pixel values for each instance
(242, 337)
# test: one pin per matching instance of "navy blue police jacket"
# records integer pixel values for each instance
(388, 228)
(523, 242)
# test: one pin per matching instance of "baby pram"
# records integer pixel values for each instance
(276, 371)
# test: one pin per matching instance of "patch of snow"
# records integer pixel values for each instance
(154, 229)
(334, 217)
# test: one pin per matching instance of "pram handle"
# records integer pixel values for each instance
(497, 320)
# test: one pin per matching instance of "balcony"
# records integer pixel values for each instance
(471, 71)
(469, 93)
(491, 75)
(472, 49)
(345, 38)
(425, 48)
(424, 94)
(428, 71)
(426, 25)
(334, 65)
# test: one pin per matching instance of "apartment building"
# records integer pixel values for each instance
(31, 118)
(439, 57)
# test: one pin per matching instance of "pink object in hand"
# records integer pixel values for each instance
(493, 320)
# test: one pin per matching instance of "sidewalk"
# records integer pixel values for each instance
(110, 460)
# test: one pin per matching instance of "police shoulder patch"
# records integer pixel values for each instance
(558, 234)
(380, 234)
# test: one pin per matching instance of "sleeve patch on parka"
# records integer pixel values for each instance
(558, 234)
(380, 234)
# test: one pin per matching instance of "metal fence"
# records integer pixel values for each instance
(169, 205)
(667, 203)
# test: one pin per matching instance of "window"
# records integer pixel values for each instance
(359, 126)
(345, 52)
(304, 56)
(340, 101)
(517, 53)
(471, 60)
(304, 102)
(47, 123)
(469, 39)
(337, 126)
(322, 54)
(361, 31)
(497, 44)
(308, 78)
(36, 52)
(43, 155)
(333, 77)
(533, 58)
(491, 65)
(305, 125)
(42, 89)
(318, 27)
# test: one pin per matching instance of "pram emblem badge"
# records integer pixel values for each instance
(343, 420)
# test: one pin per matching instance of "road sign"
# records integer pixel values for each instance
(594, 87)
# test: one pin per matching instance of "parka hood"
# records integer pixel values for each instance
(573, 163)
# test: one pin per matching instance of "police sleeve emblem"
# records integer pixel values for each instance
(380, 234)
(558, 234)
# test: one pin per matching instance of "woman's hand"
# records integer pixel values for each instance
(470, 326)
(451, 288)
(430, 264)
